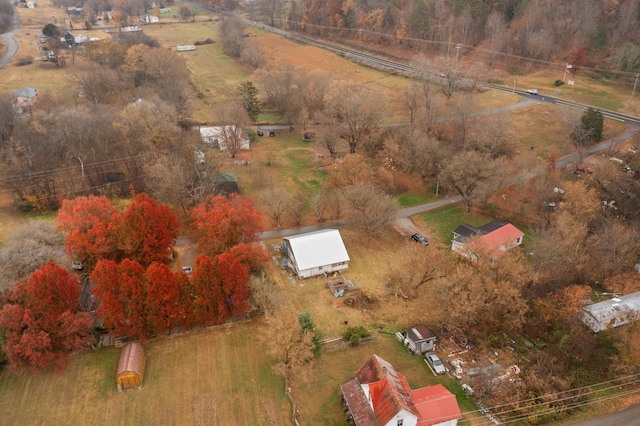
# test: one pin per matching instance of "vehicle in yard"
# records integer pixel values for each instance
(420, 239)
(187, 270)
(435, 363)
(583, 169)
(77, 265)
(532, 91)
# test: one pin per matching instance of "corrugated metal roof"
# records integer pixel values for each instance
(131, 358)
(318, 248)
(392, 397)
(613, 312)
(435, 405)
(419, 333)
(25, 92)
(358, 404)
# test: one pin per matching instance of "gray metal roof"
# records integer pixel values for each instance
(25, 92)
(318, 248)
(612, 313)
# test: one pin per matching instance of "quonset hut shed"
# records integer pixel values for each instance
(612, 313)
(316, 253)
(130, 367)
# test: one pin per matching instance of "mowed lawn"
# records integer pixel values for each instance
(216, 376)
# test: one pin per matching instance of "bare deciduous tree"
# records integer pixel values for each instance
(266, 296)
(231, 117)
(254, 56)
(372, 209)
(466, 172)
(358, 110)
(329, 141)
(28, 247)
(276, 202)
(232, 35)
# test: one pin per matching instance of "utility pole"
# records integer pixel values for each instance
(514, 85)
(458, 46)
(634, 86)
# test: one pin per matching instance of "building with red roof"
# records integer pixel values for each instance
(490, 240)
(378, 395)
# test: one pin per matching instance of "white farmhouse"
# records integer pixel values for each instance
(222, 136)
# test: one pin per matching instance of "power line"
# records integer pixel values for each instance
(544, 410)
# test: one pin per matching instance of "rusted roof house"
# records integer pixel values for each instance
(378, 395)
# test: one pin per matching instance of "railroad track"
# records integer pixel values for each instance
(388, 65)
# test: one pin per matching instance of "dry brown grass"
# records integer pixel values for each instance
(215, 376)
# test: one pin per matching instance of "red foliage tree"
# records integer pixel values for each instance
(250, 255)
(222, 223)
(146, 231)
(577, 58)
(207, 291)
(41, 320)
(163, 298)
(120, 290)
(234, 278)
(186, 300)
(87, 220)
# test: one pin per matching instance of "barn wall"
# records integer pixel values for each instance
(312, 272)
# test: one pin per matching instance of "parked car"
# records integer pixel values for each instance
(435, 363)
(532, 91)
(582, 169)
(77, 265)
(187, 270)
(420, 239)
(260, 133)
(272, 133)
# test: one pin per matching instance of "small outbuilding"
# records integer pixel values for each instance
(418, 339)
(316, 253)
(225, 184)
(130, 367)
(612, 313)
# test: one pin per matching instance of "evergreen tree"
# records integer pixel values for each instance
(419, 20)
(249, 94)
(593, 122)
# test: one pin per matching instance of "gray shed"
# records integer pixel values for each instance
(418, 339)
(611, 313)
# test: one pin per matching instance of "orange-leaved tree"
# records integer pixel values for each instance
(146, 230)
(162, 299)
(206, 291)
(87, 221)
(41, 320)
(221, 288)
(222, 223)
(234, 278)
(121, 293)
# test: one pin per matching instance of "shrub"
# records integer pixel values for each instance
(558, 83)
(354, 334)
(24, 60)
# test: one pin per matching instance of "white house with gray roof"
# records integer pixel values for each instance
(316, 253)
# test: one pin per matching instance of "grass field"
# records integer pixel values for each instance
(215, 376)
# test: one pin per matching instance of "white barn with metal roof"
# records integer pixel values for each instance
(612, 313)
(316, 253)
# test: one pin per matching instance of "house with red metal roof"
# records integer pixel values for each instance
(378, 395)
(490, 240)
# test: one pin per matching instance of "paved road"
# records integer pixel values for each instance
(627, 417)
(410, 211)
(10, 40)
